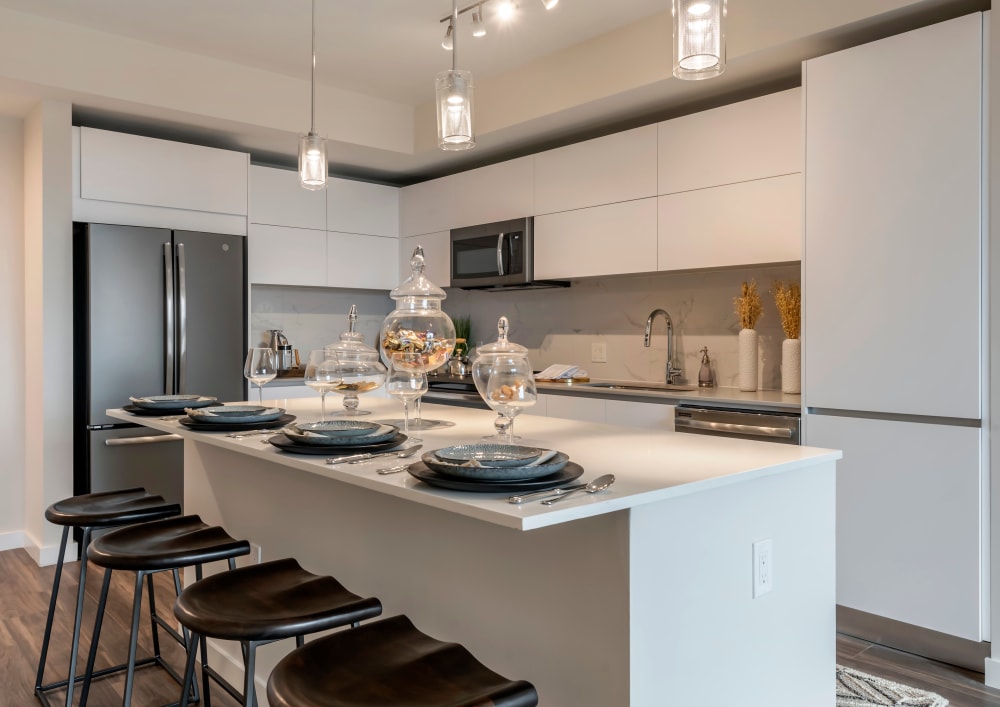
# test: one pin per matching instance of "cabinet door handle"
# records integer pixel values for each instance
(168, 317)
(755, 430)
(181, 320)
(500, 254)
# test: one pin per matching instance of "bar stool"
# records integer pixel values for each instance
(148, 548)
(261, 604)
(90, 512)
(390, 662)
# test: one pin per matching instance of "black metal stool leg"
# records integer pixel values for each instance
(81, 592)
(249, 685)
(52, 611)
(133, 643)
(189, 639)
(95, 638)
(189, 681)
(152, 616)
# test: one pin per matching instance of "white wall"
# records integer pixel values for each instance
(48, 317)
(12, 323)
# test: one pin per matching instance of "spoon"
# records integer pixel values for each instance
(598, 484)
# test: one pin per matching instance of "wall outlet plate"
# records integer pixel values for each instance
(763, 567)
(599, 352)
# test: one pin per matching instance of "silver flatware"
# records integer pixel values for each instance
(251, 433)
(547, 493)
(598, 484)
(393, 469)
(367, 456)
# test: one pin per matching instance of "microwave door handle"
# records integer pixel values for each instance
(500, 254)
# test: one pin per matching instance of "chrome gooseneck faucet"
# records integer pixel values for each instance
(671, 372)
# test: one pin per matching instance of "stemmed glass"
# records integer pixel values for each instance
(260, 368)
(510, 390)
(322, 375)
(406, 385)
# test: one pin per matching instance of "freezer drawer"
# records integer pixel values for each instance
(131, 457)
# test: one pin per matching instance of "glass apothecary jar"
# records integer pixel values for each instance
(358, 366)
(489, 358)
(418, 335)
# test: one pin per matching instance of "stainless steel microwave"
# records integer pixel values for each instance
(493, 255)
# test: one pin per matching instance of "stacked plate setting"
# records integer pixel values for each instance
(167, 404)
(234, 417)
(337, 437)
(495, 462)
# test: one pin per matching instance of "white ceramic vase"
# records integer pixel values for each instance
(748, 359)
(791, 366)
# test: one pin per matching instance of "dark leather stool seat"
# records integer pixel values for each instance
(147, 548)
(390, 663)
(89, 512)
(261, 604)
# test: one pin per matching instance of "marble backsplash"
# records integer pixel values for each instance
(559, 325)
(312, 317)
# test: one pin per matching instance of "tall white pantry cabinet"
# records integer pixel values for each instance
(893, 319)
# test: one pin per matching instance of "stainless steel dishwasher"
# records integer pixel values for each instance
(760, 425)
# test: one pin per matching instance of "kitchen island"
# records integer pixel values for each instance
(641, 595)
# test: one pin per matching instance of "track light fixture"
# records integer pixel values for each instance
(454, 100)
(549, 4)
(478, 26)
(447, 42)
(503, 9)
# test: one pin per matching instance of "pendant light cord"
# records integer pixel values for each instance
(312, 116)
(454, 34)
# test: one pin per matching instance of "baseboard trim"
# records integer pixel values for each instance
(992, 672)
(13, 540)
(45, 555)
(914, 639)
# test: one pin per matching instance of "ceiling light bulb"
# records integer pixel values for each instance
(506, 9)
(478, 26)
(698, 9)
(447, 42)
(549, 4)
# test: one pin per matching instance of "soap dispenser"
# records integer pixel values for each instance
(705, 374)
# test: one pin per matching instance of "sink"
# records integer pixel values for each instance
(645, 387)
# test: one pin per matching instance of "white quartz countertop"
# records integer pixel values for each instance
(649, 465)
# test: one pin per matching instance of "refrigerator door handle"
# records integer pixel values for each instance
(182, 321)
(168, 317)
(152, 439)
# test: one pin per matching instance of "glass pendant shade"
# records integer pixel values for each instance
(312, 161)
(699, 38)
(549, 4)
(454, 110)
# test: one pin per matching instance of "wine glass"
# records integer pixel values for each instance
(510, 390)
(322, 375)
(259, 369)
(406, 385)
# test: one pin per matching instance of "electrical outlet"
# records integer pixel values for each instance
(254, 558)
(599, 352)
(763, 567)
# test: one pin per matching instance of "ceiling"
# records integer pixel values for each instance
(234, 73)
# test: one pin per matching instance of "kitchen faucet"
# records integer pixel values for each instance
(671, 371)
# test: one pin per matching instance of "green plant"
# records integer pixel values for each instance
(463, 334)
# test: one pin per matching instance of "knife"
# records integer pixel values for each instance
(358, 458)
(522, 497)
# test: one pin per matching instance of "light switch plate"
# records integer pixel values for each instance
(599, 352)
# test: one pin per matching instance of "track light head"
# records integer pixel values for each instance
(549, 4)
(448, 43)
(478, 26)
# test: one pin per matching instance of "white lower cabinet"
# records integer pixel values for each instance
(361, 262)
(909, 520)
(279, 255)
(613, 239)
(278, 393)
(648, 416)
(737, 224)
(572, 407)
(437, 256)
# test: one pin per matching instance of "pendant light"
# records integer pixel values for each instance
(454, 100)
(312, 147)
(699, 38)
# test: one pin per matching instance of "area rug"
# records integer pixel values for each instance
(857, 689)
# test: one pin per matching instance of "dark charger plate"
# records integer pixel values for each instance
(157, 412)
(235, 426)
(286, 445)
(568, 473)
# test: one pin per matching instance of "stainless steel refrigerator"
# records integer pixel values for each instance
(155, 312)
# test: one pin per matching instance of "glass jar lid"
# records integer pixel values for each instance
(417, 285)
(501, 345)
(351, 346)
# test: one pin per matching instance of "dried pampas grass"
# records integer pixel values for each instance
(788, 300)
(748, 306)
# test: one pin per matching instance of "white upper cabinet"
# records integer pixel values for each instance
(130, 169)
(361, 262)
(738, 224)
(437, 256)
(495, 193)
(893, 194)
(361, 207)
(603, 240)
(425, 206)
(606, 170)
(277, 199)
(753, 139)
(279, 255)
